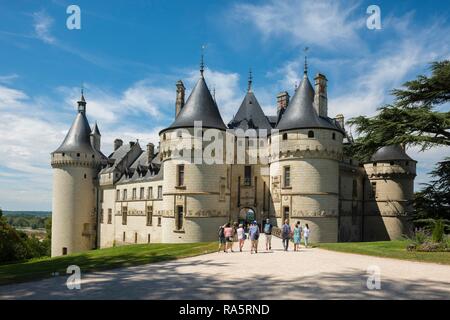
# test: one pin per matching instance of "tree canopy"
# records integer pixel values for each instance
(412, 119)
(433, 201)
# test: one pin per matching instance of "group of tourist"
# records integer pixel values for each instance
(230, 233)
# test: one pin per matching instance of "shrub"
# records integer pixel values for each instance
(438, 232)
(420, 236)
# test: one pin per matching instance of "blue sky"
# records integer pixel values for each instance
(128, 56)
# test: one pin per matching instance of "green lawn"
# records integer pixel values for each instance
(101, 259)
(387, 249)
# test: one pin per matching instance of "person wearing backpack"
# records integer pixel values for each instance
(222, 240)
(228, 233)
(254, 236)
(286, 234)
(268, 233)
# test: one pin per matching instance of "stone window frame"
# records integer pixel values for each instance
(287, 169)
(109, 216)
(149, 215)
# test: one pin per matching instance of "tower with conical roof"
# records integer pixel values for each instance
(195, 189)
(304, 169)
(389, 194)
(75, 164)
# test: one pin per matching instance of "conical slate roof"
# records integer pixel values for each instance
(250, 115)
(300, 113)
(78, 137)
(95, 129)
(390, 153)
(200, 106)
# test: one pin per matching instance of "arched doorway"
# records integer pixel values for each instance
(246, 216)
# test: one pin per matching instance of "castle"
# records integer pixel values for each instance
(148, 196)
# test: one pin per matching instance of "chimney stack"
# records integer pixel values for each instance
(340, 119)
(117, 144)
(179, 103)
(150, 152)
(282, 101)
(320, 96)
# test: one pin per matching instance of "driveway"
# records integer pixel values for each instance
(308, 274)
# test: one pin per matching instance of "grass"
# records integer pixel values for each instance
(388, 249)
(101, 259)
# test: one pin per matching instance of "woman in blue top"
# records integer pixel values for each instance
(297, 236)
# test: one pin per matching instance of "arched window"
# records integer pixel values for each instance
(164, 136)
(334, 136)
(310, 134)
(284, 136)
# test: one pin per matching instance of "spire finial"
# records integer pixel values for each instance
(250, 80)
(82, 102)
(202, 65)
(305, 71)
(82, 93)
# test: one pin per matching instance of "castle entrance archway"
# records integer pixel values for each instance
(246, 216)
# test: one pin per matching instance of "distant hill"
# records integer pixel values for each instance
(28, 213)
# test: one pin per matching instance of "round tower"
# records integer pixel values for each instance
(304, 168)
(389, 191)
(75, 166)
(195, 192)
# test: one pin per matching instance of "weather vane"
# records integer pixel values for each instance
(202, 65)
(306, 60)
(250, 79)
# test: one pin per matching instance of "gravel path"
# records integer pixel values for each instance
(308, 274)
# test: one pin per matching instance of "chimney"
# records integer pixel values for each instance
(150, 152)
(282, 101)
(320, 96)
(179, 103)
(117, 144)
(340, 119)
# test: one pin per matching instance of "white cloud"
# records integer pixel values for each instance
(42, 24)
(11, 97)
(147, 98)
(326, 24)
(7, 79)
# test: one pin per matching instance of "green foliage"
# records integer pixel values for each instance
(16, 245)
(438, 233)
(420, 237)
(26, 221)
(433, 201)
(411, 120)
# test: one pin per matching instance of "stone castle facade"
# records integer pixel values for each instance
(150, 195)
